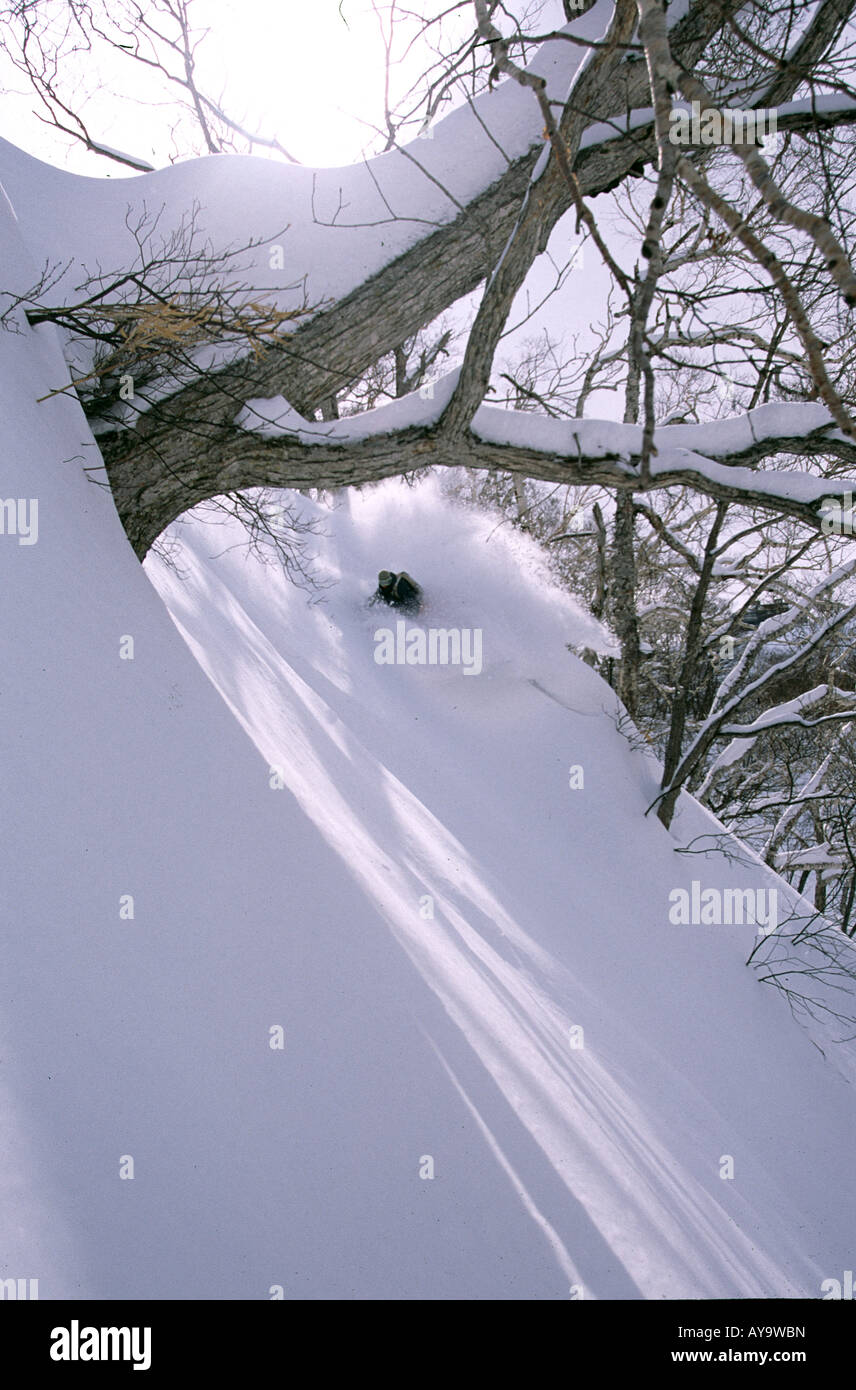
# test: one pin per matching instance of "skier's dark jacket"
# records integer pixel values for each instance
(399, 591)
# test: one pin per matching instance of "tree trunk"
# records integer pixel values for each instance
(623, 602)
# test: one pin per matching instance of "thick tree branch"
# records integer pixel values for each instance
(151, 494)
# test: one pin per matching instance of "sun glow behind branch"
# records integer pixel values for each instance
(318, 78)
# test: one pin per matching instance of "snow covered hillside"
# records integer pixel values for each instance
(530, 1094)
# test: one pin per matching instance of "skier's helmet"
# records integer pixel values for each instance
(385, 579)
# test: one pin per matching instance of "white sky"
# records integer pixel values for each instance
(321, 77)
(312, 74)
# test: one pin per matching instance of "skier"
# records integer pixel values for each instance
(399, 591)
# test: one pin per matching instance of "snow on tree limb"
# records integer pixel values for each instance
(716, 457)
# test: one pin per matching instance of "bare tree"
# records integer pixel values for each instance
(784, 228)
(46, 41)
(138, 330)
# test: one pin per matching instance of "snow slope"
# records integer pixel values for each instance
(405, 1037)
(551, 911)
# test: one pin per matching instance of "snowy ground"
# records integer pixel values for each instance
(406, 1037)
